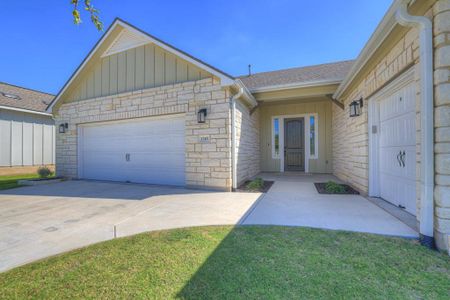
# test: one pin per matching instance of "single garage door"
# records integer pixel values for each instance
(148, 150)
(398, 147)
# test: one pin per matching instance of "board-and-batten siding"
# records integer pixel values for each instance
(26, 140)
(134, 69)
(324, 163)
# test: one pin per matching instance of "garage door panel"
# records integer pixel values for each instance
(388, 161)
(397, 152)
(150, 150)
(156, 160)
(157, 176)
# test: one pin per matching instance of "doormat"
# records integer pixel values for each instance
(347, 190)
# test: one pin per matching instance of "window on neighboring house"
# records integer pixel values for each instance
(312, 137)
(276, 138)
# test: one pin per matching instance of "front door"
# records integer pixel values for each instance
(294, 144)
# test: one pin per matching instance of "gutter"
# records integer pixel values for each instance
(425, 28)
(282, 87)
(25, 110)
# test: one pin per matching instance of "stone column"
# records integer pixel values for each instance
(441, 24)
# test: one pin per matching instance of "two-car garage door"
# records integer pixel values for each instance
(149, 150)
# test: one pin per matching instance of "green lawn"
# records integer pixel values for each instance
(238, 263)
(9, 182)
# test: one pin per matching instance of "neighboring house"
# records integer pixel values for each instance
(27, 131)
(140, 110)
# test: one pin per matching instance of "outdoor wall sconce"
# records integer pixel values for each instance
(355, 107)
(201, 115)
(63, 127)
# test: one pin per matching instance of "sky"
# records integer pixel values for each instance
(40, 47)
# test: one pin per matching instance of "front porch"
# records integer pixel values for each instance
(296, 135)
(294, 201)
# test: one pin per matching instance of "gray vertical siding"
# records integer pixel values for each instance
(26, 139)
(138, 68)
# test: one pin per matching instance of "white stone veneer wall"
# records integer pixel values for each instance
(441, 25)
(247, 142)
(207, 165)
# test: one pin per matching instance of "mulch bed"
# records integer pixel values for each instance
(264, 189)
(320, 186)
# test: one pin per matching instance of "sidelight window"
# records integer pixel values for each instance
(275, 138)
(312, 137)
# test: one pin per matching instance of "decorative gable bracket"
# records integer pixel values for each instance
(124, 41)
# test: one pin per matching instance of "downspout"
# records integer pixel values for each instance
(425, 28)
(233, 136)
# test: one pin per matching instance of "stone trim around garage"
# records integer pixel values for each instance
(208, 164)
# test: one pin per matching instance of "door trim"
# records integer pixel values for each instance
(307, 141)
(374, 122)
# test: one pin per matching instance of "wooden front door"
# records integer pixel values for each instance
(294, 144)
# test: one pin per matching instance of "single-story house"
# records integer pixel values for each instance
(140, 110)
(27, 131)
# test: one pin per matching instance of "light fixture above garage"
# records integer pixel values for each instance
(201, 115)
(63, 127)
(355, 107)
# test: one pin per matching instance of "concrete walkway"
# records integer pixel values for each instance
(294, 201)
(40, 221)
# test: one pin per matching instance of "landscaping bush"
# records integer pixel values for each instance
(335, 188)
(44, 172)
(256, 184)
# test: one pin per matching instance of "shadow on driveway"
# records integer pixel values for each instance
(98, 190)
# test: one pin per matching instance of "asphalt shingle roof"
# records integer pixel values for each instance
(330, 71)
(24, 98)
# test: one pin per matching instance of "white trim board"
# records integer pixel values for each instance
(384, 28)
(29, 111)
(306, 137)
(124, 41)
(281, 87)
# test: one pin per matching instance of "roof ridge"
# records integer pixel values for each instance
(300, 67)
(25, 88)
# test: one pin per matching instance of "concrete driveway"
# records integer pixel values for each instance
(36, 222)
(294, 201)
(39, 221)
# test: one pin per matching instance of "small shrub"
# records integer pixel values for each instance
(256, 184)
(44, 172)
(335, 188)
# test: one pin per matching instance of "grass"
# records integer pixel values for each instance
(248, 262)
(256, 184)
(335, 188)
(9, 182)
